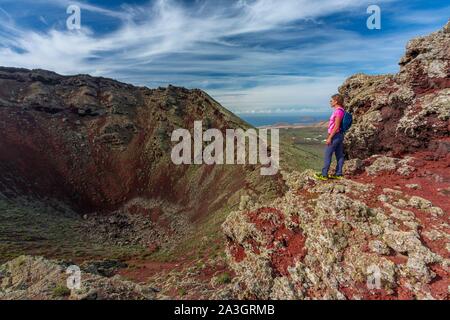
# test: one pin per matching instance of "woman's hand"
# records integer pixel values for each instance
(328, 141)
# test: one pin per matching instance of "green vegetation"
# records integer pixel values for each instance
(60, 291)
(224, 278)
(302, 148)
(182, 292)
(299, 149)
(51, 230)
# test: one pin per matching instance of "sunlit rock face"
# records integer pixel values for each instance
(406, 111)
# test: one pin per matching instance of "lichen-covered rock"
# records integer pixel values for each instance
(326, 241)
(419, 203)
(353, 166)
(283, 289)
(379, 247)
(382, 163)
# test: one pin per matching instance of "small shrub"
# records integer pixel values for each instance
(182, 292)
(61, 291)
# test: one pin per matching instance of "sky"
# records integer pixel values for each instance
(253, 56)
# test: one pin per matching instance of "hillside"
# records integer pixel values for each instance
(90, 158)
(86, 175)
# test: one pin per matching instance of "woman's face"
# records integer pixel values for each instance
(333, 103)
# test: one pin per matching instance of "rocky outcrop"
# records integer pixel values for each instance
(35, 278)
(407, 111)
(338, 240)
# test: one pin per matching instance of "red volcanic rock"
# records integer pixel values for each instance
(294, 250)
(405, 112)
(323, 240)
(237, 252)
(286, 246)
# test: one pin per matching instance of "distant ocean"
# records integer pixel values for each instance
(260, 120)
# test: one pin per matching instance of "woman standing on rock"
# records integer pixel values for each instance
(335, 140)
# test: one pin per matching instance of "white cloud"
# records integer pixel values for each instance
(292, 94)
(166, 41)
(168, 27)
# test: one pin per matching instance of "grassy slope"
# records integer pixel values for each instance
(303, 148)
(32, 227)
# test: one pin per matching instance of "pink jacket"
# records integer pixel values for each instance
(339, 112)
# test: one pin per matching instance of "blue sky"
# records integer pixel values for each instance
(263, 56)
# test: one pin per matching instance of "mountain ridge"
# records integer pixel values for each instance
(100, 149)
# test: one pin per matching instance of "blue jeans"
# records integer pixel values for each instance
(337, 147)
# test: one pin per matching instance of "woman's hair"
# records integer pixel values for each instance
(339, 99)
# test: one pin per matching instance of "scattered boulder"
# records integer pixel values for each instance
(419, 203)
(413, 186)
(382, 163)
(324, 241)
(353, 166)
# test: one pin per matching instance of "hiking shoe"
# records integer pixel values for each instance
(335, 177)
(319, 176)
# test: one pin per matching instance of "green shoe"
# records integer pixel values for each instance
(319, 176)
(336, 177)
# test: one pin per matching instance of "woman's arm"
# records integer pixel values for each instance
(337, 126)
